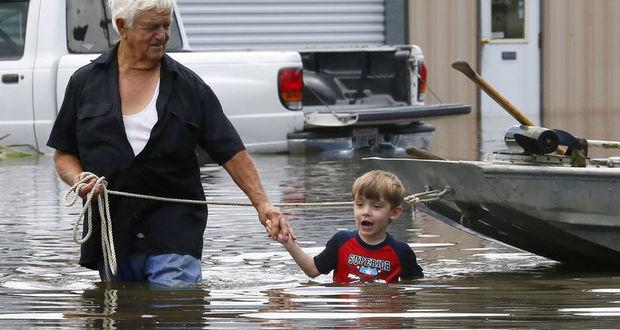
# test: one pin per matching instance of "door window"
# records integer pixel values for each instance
(13, 15)
(508, 19)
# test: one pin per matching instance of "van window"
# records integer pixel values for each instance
(90, 30)
(13, 16)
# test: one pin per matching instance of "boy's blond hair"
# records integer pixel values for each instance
(379, 184)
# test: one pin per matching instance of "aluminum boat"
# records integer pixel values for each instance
(557, 206)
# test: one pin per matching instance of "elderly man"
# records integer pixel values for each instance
(135, 116)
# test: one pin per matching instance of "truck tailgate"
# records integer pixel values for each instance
(404, 113)
(395, 115)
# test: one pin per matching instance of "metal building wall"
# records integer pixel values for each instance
(239, 24)
(581, 67)
(447, 30)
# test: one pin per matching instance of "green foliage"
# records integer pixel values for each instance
(9, 152)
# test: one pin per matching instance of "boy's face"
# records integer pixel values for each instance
(372, 218)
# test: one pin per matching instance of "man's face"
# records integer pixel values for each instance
(148, 36)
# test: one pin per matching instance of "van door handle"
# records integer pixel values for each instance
(11, 78)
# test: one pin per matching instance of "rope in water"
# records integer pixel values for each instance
(107, 241)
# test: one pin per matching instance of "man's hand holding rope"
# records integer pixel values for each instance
(86, 188)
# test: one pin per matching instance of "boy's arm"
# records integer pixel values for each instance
(303, 260)
(409, 263)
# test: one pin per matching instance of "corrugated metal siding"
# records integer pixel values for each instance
(447, 30)
(238, 24)
(581, 74)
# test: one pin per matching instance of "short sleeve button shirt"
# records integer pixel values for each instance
(90, 126)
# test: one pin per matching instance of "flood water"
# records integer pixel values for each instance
(251, 282)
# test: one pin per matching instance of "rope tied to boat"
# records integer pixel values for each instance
(107, 241)
(427, 196)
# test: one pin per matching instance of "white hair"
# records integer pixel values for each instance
(128, 9)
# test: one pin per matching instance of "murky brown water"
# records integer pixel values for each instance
(251, 282)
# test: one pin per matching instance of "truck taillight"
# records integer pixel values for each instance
(290, 87)
(421, 81)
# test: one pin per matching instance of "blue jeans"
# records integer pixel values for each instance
(162, 269)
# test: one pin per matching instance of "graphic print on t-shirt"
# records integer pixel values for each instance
(369, 266)
(352, 260)
(366, 265)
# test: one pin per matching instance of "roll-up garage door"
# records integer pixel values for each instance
(237, 24)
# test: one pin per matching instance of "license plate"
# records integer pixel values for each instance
(364, 137)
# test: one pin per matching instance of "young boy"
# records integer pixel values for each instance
(368, 254)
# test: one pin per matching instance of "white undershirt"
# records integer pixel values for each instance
(138, 126)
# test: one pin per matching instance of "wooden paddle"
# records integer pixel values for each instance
(422, 154)
(464, 67)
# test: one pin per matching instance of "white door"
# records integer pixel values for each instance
(510, 61)
(16, 70)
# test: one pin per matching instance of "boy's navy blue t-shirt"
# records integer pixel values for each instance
(352, 260)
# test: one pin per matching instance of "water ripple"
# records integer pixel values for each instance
(251, 282)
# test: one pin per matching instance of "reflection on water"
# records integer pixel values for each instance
(251, 282)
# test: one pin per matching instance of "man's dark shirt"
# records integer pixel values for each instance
(90, 126)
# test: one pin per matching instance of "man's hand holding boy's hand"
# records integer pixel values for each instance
(281, 237)
(275, 223)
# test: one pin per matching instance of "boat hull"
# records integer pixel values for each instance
(563, 213)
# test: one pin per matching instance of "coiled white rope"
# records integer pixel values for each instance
(107, 241)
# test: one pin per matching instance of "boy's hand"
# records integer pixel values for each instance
(281, 237)
(276, 224)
